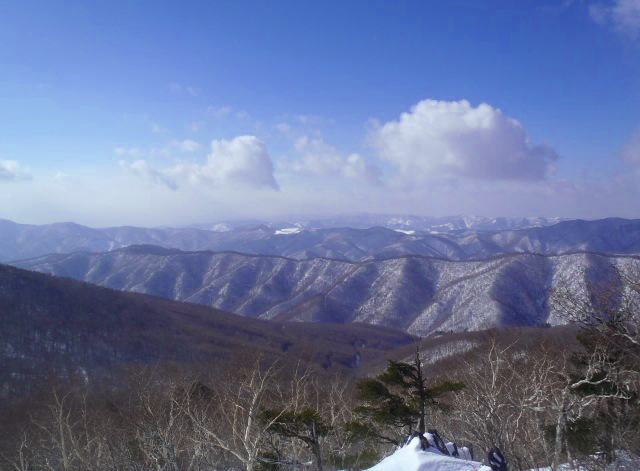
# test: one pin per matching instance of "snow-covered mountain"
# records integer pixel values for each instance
(408, 222)
(417, 294)
(620, 236)
(446, 224)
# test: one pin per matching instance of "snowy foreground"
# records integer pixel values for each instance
(412, 458)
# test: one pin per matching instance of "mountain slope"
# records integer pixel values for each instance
(73, 327)
(417, 294)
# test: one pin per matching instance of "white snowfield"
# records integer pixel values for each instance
(412, 458)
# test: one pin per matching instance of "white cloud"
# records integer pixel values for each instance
(242, 160)
(187, 145)
(319, 158)
(10, 170)
(622, 15)
(143, 169)
(441, 138)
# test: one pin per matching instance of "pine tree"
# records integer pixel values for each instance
(307, 426)
(398, 399)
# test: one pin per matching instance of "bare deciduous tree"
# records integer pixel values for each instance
(228, 420)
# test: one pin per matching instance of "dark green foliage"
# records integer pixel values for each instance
(580, 435)
(307, 425)
(397, 399)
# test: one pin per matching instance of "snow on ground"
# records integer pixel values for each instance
(287, 231)
(411, 457)
(404, 231)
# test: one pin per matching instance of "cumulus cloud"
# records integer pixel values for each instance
(10, 170)
(319, 158)
(242, 160)
(441, 138)
(622, 15)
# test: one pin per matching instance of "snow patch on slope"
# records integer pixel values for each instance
(287, 231)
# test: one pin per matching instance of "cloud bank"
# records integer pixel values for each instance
(441, 138)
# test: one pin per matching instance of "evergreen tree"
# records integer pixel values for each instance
(398, 399)
(307, 426)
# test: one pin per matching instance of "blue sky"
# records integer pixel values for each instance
(167, 113)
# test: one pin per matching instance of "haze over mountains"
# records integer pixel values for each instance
(461, 239)
(415, 281)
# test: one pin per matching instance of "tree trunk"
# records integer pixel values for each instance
(421, 395)
(561, 426)
(315, 449)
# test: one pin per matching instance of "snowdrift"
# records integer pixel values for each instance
(412, 457)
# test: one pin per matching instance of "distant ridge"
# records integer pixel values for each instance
(614, 235)
(417, 294)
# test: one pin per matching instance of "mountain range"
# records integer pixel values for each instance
(417, 294)
(613, 236)
(356, 293)
(407, 222)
